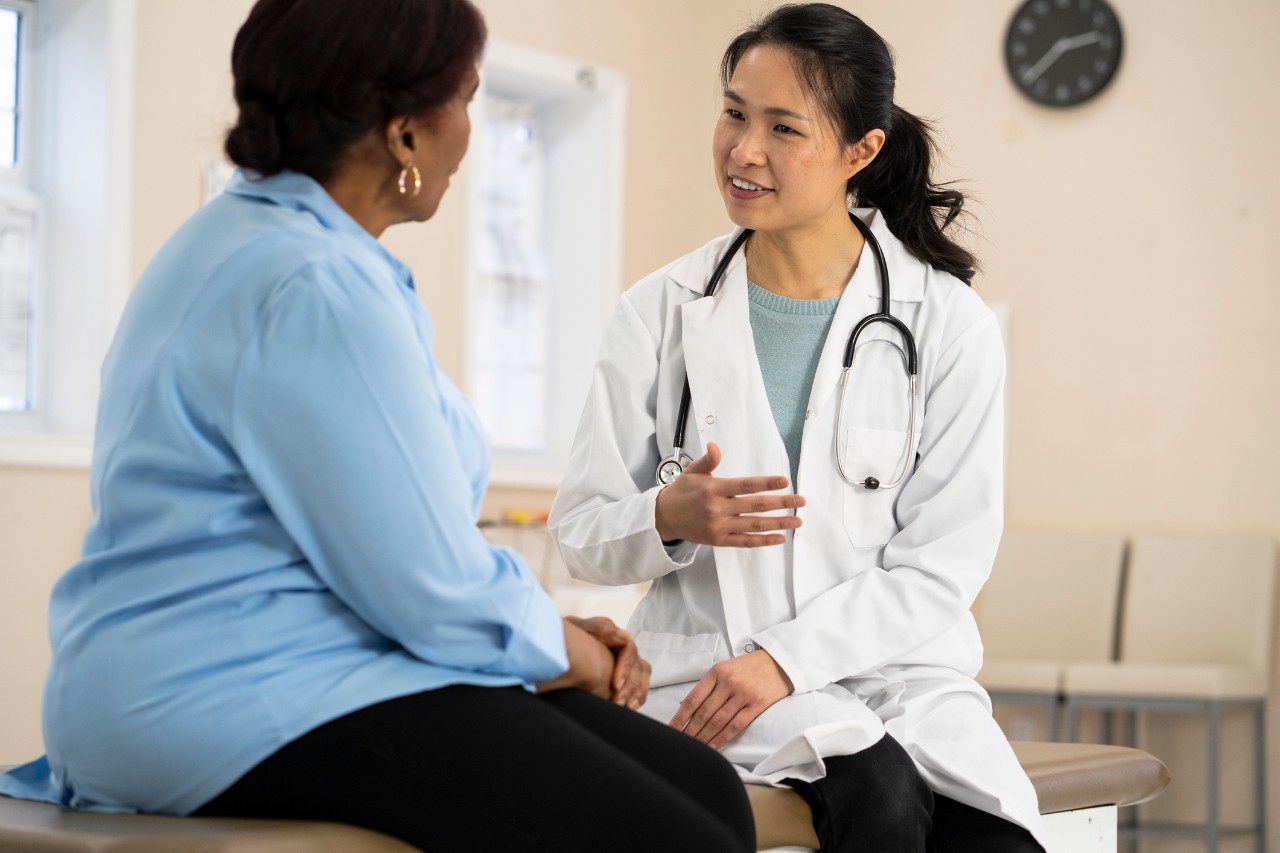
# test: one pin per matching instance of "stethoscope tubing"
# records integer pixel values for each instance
(671, 467)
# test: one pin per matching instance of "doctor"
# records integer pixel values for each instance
(819, 636)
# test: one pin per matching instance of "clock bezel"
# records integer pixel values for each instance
(1113, 27)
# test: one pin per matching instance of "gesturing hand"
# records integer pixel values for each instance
(700, 507)
(730, 696)
(629, 684)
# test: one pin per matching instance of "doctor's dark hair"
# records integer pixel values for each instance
(312, 77)
(848, 68)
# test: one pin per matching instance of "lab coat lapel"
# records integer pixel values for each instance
(730, 405)
(731, 408)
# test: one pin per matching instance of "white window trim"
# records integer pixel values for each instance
(83, 68)
(587, 228)
(19, 175)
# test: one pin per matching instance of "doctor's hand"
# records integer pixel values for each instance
(700, 507)
(629, 685)
(730, 696)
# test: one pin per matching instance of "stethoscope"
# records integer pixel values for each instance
(673, 466)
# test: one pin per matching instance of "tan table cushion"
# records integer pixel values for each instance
(1066, 776)
(27, 827)
(1071, 776)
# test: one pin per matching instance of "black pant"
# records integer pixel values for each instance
(474, 768)
(876, 800)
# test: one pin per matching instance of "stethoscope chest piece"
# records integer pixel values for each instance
(673, 466)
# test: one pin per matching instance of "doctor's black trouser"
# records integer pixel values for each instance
(876, 800)
(482, 768)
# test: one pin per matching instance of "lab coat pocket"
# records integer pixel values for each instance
(677, 658)
(869, 513)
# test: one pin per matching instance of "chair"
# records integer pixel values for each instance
(1051, 599)
(1196, 633)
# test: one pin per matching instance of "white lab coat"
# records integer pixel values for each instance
(866, 607)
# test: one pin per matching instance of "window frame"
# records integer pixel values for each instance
(79, 90)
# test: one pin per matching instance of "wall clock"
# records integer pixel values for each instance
(1062, 52)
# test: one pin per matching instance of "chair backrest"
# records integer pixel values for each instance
(1052, 596)
(1199, 599)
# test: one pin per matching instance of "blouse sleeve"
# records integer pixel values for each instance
(339, 421)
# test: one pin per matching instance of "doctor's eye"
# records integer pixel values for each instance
(733, 114)
(782, 128)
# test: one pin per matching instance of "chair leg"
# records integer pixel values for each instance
(1211, 780)
(1260, 775)
(1051, 717)
(1072, 722)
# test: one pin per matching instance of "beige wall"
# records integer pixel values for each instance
(1130, 237)
(43, 515)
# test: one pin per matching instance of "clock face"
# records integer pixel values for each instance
(1062, 52)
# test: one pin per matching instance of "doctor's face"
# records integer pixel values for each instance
(778, 160)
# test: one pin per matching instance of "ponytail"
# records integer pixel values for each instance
(848, 68)
(918, 211)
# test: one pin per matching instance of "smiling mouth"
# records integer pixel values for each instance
(746, 185)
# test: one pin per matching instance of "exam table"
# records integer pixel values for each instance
(1080, 787)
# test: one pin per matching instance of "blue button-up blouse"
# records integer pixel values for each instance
(285, 486)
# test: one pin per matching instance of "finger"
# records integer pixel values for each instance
(633, 687)
(692, 701)
(760, 524)
(733, 486)
(596, 625)
(762, 503)
(603, 629)
(716, 723)
(701, 716)
(624, 662)
(642, 685)
(750, 540)
(746, 716)
(707, 462)
(636, 688)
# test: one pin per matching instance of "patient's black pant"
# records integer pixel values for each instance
(475, 768)
(876, 800)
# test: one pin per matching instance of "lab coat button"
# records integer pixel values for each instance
(807, 412)
(711, 419)
(749, 647)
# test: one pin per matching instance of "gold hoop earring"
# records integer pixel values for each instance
(403, 182)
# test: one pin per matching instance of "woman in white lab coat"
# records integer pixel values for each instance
(820, 635)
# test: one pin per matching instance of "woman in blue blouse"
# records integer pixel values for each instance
(284, 607)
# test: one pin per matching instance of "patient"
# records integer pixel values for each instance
(284, 608)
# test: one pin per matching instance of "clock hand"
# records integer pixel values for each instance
(1060, 47)
(1083, 40)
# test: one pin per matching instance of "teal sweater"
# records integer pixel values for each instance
(789, 334)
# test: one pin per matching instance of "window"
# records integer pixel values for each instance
(17, 216)
(545, 257)
(66, 118)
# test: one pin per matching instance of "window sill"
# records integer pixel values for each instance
(40, 450)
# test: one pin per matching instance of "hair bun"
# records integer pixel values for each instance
(254, 142)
